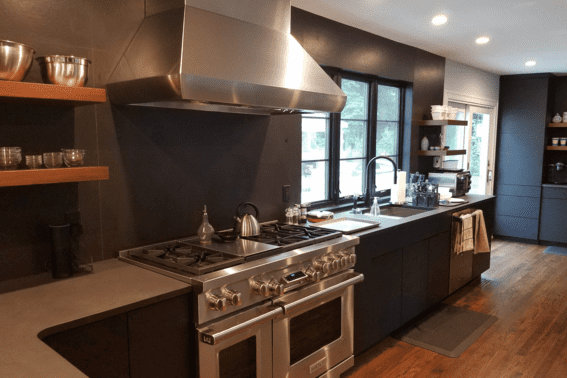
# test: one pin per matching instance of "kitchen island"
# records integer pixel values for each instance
(404, 261)
(115, 289)
(406, 264)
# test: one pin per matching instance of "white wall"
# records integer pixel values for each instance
(470, 82)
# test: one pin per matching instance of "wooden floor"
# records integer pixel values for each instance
(527, 290)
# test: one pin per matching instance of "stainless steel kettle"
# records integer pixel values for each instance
(247, 224)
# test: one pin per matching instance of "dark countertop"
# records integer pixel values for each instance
(40, 310)
(392, 223)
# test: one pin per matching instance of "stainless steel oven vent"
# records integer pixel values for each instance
(236, 57)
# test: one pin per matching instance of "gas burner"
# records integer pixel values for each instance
(290, 236)
(185, 257)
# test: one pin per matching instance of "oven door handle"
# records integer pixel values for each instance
(354, 279)
(213, 337)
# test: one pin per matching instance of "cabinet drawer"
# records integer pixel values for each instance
(518, 190)
(554, 192)
(521, 207)
(524, 228)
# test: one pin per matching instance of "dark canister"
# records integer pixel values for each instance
(61, 254)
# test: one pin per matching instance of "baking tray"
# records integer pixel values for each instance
(347, 225)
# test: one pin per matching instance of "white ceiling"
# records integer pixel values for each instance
(519, 30)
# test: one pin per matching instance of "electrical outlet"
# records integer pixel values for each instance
(285, 193)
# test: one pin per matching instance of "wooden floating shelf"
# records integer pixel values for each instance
(443, 122)
(557, 148)
(52, 176)
(564, 124)
(29, 93)
(441, 152)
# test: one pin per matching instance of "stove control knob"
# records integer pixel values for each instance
(313, 275)
(233, 298)
(344, 258)
(275, 287)
(260, 288)
(352, 258)
(322, 266)
(333, 261)
(216, 303)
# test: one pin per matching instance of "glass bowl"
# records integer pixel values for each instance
(34, 161)
(10, 157)
(73, 158)
(53, 159)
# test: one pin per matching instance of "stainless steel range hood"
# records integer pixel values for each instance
(226, 56)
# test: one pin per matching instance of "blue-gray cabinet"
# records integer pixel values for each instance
(525, 107)
(553, 221)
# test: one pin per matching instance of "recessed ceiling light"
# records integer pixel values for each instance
(440, 19)
(530, 63)
(482, 40)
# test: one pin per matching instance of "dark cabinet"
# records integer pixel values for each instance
(378, 299)
(553, 215)
(98, 349)
(159, 340)
(525, 108)
(439, 264)
(153, 341)
(415, 277)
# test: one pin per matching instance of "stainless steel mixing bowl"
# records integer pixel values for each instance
(64, 70)
(15, 60)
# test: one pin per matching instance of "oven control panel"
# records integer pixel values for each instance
(233, 296)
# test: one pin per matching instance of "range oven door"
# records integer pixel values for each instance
(314, 336)
(239, 346)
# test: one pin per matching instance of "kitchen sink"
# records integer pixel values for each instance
(395, 211)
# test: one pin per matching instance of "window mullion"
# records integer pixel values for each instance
(372, 122)
(335, 120)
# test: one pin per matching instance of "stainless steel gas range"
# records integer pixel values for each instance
(279, 304)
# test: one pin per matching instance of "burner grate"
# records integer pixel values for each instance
(187, 258)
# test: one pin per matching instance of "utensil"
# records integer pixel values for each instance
(34, 161)
(73, 158)
(64, 70)
(247, 224)
(15, 60)
(10, 157)
(53, 159)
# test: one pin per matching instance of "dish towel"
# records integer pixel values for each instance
(481, 244)
(467, 241)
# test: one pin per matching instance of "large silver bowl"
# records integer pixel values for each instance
(15, 60)
(64, 70)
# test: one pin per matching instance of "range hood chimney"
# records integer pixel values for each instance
(233, 56)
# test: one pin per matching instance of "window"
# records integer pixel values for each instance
(337, 147)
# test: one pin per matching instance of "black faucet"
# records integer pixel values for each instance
(356, 197)
(367, 191)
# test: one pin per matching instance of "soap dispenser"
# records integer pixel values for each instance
(205, 230)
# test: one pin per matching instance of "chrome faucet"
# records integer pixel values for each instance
(367, 191)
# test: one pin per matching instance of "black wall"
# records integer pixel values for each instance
(166, 164)
(333, 44)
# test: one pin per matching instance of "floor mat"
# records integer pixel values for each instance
(553, 250)
(446, 330)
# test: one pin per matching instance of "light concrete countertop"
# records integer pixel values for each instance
(26, 315)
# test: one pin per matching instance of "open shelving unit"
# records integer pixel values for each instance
(49, 94)
(557, 148)
(21, 177)
(561, 124)
(443, 122)
(441, 152)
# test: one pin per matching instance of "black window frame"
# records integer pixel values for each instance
(336, 198)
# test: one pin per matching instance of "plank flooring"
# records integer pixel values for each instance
(527, 290)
